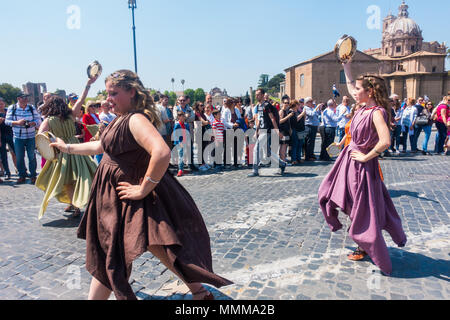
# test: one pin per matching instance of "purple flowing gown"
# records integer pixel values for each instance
(357, 188)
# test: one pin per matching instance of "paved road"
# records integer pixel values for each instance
(267, 235)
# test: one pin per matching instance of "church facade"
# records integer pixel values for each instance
(411, 66)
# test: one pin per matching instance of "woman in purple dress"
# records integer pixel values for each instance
(354, 184)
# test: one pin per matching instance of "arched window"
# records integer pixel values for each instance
(302, 80)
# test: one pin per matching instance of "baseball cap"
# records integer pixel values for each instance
(302, 100)
(22, 95)
(72, 96)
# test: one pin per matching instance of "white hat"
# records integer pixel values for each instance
(308, 99)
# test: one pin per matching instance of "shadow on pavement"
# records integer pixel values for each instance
(217, 295)
(290, 175)
(63, 223)
(400, 193)
(410, 265)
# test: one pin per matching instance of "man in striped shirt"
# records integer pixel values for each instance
(24, 119)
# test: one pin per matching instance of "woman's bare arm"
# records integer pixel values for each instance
(350, 82)
(44, 127)
(79, 103)
(85, 149)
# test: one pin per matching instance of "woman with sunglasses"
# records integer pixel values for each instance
(428, 111)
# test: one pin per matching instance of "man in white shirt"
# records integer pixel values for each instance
(343, 111)
(106, 116)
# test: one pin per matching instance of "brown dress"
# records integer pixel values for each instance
(118, 231)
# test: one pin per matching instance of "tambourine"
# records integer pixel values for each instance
(94, 70)
(334, 150)
(345, 48)
(43, 141)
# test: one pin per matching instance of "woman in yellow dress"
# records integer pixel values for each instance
(68, 178)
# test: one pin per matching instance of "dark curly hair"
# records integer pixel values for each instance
(56, 107)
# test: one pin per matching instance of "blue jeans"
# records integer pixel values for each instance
(417, 131)
(20, 146)
(396, 141)
(180, 157)
(297, 146)
(427, 130)
(264, 141)
(340, 133)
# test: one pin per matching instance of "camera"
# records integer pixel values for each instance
(27, 124)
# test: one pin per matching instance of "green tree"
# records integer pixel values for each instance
(200, 95)
(172, 98)
(191, 94)
(273, 86)
(9, 93)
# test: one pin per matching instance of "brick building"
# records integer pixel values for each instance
(411, 66)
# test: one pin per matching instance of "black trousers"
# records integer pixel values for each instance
(328, 136)
(310, 141)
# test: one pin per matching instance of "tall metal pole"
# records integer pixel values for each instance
(132, 5)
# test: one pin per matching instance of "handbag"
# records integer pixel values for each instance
(422, 120)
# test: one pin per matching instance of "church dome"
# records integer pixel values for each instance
(403, 24)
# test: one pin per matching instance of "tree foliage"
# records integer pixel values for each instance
(271, 86)
(199, 95)
(9, 93)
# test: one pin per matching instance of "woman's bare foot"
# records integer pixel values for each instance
(202, 294)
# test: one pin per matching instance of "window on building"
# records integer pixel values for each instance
(413, 49)
(398, 49)
(342, 78)
(434, 69)
(302, 80)
(386, 51)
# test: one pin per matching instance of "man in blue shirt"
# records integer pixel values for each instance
(311, 125)
(330, 118)
(24, 119)
(344, 111)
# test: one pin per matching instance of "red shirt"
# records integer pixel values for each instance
(88, 120)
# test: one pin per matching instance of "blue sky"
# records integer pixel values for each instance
(208, 43)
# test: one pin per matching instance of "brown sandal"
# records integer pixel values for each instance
(358, 255)
(76, 214)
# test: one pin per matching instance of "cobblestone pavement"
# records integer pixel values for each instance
(267, 235)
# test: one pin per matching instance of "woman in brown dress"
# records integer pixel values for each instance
(135, 204)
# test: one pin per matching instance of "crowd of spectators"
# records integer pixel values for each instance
(296, 123)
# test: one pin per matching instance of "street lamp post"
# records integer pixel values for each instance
(132, 5)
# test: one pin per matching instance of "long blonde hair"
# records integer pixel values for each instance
(143, 100)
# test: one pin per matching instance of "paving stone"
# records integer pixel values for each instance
(270, 238)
